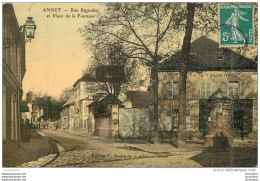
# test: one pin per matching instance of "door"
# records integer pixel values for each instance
(203, 116)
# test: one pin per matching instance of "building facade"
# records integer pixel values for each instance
(84, 90)
(13, 73)
(213, 73)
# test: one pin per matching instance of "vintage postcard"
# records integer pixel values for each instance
(143, 84)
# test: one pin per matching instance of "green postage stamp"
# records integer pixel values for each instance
(236, 25)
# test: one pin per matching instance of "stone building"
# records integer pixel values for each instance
(13, 73)
(84, 89)
(221, 86)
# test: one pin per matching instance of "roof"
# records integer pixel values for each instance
(139, 98)
(85, 78)
(108, 99)
(70, 101)
(206, 58)
(9, 15)
(99, 96)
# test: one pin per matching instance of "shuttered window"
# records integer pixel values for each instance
(169, 89)
(173, 89)
(205, 89)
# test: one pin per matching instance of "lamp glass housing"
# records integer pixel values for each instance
(30, 28)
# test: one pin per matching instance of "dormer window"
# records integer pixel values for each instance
(193, 56)
(220, 55)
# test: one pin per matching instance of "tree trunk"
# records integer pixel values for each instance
(184, 71)
(154, 76)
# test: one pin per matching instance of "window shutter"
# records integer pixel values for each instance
(208, 89)
(202, 90)
(224, 88)
(168, 112)
(169, 90)
(175, 89)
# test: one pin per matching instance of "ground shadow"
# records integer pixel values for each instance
(222, 154)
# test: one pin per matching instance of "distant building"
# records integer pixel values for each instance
(26, 112)
(37, 115)
(29, 97)
(26, 108)
(13, 73)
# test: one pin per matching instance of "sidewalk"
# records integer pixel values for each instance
(160, 148)
(38, 147)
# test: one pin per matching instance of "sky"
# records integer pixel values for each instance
(56, 57)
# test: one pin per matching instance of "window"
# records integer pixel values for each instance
(168, 112)
(234, 89)
(219, 55)
(193, 56)
(173, 89)
(173, 114)
(205, 89)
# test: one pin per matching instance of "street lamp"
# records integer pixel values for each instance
(29, 28)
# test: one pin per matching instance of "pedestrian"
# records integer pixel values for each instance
(34, 128)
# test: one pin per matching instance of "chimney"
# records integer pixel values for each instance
(29, 97)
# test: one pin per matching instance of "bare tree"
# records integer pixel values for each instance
(112, 60)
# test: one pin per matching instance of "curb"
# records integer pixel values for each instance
(41, 162)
